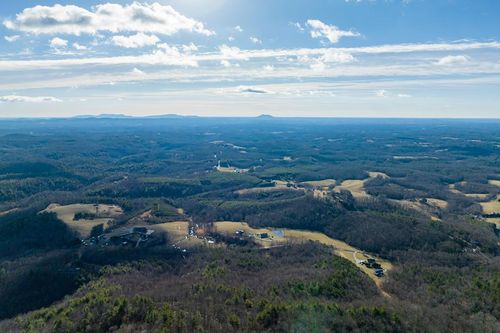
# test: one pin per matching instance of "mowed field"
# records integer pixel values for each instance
(427, 208)
(437, 203)
(453, 189)
(342, 249)
(357, 187)
(320, 183)
(492, 207)
(494, 182)
(178, 233)
(105, 214)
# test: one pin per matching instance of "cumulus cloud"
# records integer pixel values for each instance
(452, 60)
(57, 43)
(238, 28)
(135, 41)
(330, 32)
(232, 52)
(108, 17)
(189, 48)
(255, 40)
(381, 93)
(27, 99)
(336, 56)
(225, 63)
(137, 72)
(12, 39)
(79, 47)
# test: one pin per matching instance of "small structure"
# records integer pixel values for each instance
(372, 263)
(263, 235)
(279, 233)
(239, 233)
(379, 272)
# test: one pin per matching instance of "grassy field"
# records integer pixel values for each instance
(320, 183)
(265, 190)
(443, 204)
(453, 189)
(105, 214)
(494, 182)
(178, 233)
(298, 236)
(176, 230)
(491, 207)
(357, 187)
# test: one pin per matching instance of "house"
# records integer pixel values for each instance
(263, 235)
(379, 272)
(239, 233)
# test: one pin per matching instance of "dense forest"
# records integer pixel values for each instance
(419, 194)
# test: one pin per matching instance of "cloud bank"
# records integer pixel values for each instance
(109, 17)
(27, 99)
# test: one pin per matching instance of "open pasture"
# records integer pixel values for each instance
(104, 214)
(299, 236)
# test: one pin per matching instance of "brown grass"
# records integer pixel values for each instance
(491, 207)
(341, 248)
(320, 183)
(105, 215)
(443, 204)
(494, 182)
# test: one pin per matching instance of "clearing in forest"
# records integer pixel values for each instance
(178, 233)
(443, 204)
(320, 183)
(357, 187)
(91, 216)
(342, 249)
(491, 207)
(453, 189)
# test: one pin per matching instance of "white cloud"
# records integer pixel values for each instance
(381, 93)
(189, 48)
(318, 66)
(12, 39)
(137, 72)
(452, 60)
(330, 32)
(134, 17)
(335, 56)
(173, 56)
(298, 26)
(135, 41)
(79, 47)
(231, 52)
(404, 96)
(231, 38)
(255, 40)
(57, 43)
(27, 99)
(238, 28)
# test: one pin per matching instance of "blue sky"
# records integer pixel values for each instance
(328, 58)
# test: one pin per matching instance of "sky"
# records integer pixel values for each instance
(305, 58)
